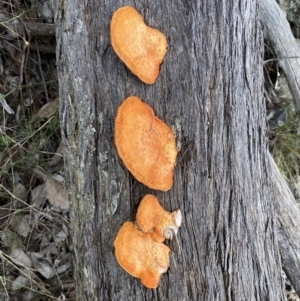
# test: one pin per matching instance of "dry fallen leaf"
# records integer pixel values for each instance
(21, 224)
(20, 257)
(20, 191)
(10, 239)
(38, 196)
(49, 109)
(57, 156)
(63, 268)
(56, 193)
(21, 281)
(42, 264)
(60, 236)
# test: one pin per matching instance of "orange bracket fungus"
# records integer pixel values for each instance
(141, 256)
(139, 249)
(145, 144)
(139, 46)
(152, 218)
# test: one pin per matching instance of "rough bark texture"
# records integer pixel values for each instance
(278, 32)
(288, 219)
(210, 93)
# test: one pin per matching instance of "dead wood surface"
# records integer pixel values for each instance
(278, 33)
(288, 219)
(210, 92)
(15, 27)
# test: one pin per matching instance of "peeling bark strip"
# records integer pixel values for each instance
(210, 92)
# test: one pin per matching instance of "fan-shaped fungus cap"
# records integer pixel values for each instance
(140, 256)
(145, 144)
(152, 218)
(139, 46)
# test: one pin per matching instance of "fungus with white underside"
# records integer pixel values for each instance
(152, 218)
(139, 247)
(145, 144)
(140, 47)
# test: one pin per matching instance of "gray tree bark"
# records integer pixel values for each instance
(288, 228)
(278, 32)
(210, 92)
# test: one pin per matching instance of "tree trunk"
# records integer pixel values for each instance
(210, 92)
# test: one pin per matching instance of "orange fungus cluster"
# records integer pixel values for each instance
(152, 218)
(138, 247)
(147, 148)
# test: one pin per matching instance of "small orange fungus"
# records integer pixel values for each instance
(139, 255)
(139, 46)
(138, 247)
(152, 218)
(145, 144)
